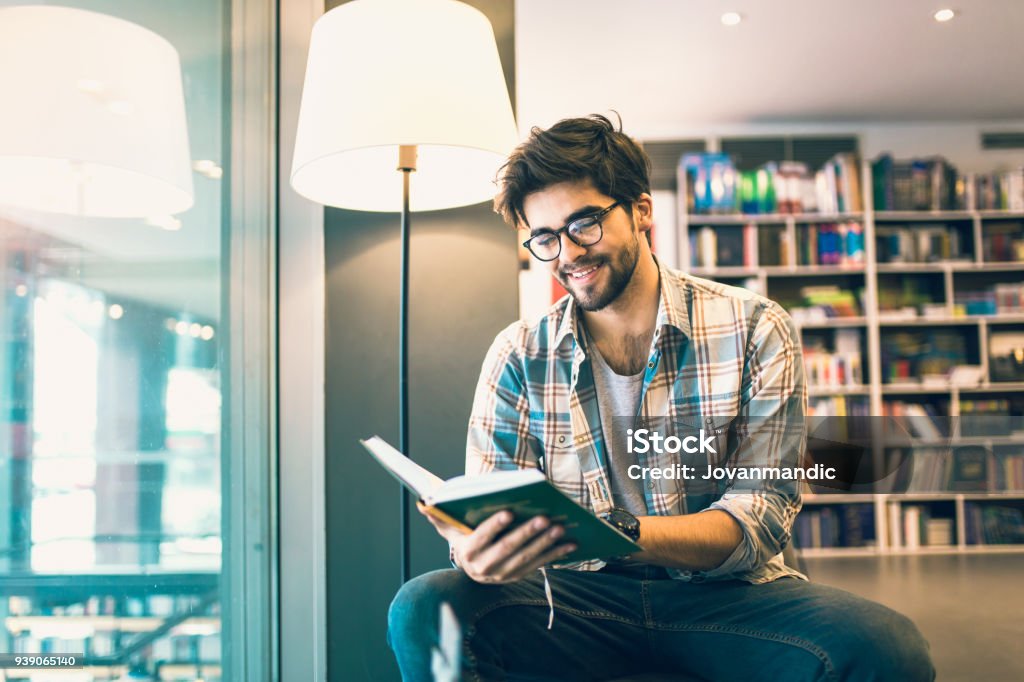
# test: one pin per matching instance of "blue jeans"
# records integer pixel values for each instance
(622, 622)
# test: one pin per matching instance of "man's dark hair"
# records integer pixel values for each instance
(572, 150)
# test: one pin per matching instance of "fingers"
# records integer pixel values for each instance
(554, 554)
(540, 550)
(477, 541)
(513, 543)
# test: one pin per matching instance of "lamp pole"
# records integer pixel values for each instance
(406, 164)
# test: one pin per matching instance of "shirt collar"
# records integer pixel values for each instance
(673, 310)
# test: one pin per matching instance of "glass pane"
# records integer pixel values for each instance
(112, 354)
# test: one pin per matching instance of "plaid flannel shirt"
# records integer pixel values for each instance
(722, 359)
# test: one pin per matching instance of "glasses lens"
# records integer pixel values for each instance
(586, 231)
(545, 246)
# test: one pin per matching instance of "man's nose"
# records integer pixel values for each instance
(571, 251)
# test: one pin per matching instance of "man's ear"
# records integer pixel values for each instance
(645, 212)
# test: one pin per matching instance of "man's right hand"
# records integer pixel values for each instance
(491, 560)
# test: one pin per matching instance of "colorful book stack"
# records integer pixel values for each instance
(837, 368)
(912, 357)
(1000, 191)
(831, 244)
(711, 182)
(714, 186)
(837, 185)
(1003, 241)
(824, 302)
(929, 184)
(1007, 472)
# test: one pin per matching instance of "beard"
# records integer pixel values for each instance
(619, 269)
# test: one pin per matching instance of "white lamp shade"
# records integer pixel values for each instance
(93, 116)
(384, 73)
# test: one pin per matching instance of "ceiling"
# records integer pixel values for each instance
(665, 65)
(669, 65)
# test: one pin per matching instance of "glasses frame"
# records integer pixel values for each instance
(597, 217)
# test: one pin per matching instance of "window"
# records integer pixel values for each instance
(118, 448)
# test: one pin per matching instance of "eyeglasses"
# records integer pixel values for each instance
(546, 245)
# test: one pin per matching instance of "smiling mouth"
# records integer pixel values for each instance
(584, 275)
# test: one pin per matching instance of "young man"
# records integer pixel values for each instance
(637, 344)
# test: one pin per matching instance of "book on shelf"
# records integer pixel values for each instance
(837, 185)
(1000, 191)
(828, 526)
(724, 246)
(1003, 241)
(908, 356)
(922, 184)
(831, 244)
(823, 302)
(988, 523)
(924, 243)
(836, 368)
(838, 406)
(912, 526)
(1007, 471)
(711, 183)
(467, 501)
(761, 191)
(969, 469)
(918, 420)
(986, 417)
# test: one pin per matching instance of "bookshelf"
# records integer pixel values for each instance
(949, 281)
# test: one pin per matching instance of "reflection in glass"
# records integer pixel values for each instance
(111, 375)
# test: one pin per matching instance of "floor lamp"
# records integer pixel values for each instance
(392, 88)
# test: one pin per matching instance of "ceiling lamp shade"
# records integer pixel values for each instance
(93, 116)
(385, 73)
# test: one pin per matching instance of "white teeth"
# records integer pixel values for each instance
(579, 275)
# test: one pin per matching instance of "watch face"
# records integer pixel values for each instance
(625, 522)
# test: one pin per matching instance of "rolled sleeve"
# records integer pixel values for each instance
(770, 434)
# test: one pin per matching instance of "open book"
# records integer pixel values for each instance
(467, 501)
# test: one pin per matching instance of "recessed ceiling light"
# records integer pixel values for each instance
(732, 18)
(944, 15)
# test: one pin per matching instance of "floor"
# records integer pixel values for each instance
(970, 607)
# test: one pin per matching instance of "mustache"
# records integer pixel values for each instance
(579, 266)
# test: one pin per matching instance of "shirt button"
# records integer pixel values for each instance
(709, 420)
(561, 439)
(650, 365)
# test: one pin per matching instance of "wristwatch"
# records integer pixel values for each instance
(625, 522)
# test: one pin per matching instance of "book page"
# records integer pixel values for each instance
(409, 473)
(463, 487)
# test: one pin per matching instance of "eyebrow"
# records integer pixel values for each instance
(581, 212)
